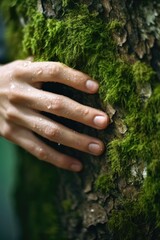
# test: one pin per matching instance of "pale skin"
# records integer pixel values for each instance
(22, 100)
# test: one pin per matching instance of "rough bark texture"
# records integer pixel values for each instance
(117, 195)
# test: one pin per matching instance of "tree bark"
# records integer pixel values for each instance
(116, 196)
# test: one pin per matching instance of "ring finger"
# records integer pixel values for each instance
(28, 141)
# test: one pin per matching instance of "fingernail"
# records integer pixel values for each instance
(95, 148)
(100, 121)
(92, 85)
(76, 167)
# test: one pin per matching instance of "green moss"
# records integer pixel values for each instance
(142, 73)
(150, 198)
(65, 3)
(12, 11)
(85, 42)
(128, 222)
(104, 183)
(58, 40)
(22, 8)
(67, 204)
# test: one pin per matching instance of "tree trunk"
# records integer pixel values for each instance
(117, 195)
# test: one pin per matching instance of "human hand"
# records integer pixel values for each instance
(21, 103)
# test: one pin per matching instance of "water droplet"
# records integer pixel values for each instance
(39, 72)
(74, 77)
(13, 86)
(29, 89)
(41, 153)
(26, 63)
(49, 107)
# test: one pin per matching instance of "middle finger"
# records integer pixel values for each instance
(56, 132)
(67, 108)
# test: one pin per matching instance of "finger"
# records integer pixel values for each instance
(55, 72)
(65, 107)
(32, 144)
(57, 104)
(56, 132)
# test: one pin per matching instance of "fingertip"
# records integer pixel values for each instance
(102, 148)
(101, 122)
(96, 148)
(76, 167)
(92, 86)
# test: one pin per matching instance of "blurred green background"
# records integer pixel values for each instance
(8, 167)
(9, 229)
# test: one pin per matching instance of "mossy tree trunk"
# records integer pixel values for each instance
(116, 196)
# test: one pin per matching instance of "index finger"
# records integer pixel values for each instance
(57, 72)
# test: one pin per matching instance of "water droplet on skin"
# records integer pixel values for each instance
(49, 107)
(74, 77)
(36, 128)
(29, 89)
(41, 153)
(36, 74)
(13, 86)
(39, 72)
(26, 64)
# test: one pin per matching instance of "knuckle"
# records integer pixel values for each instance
(31, 148)
(10, 114)
(62, 163)
(85, 112)
(79, 142)
(55, 69)
(37, 73)
(13, 95)
(18, 72)
(8, 131)
(58, 104)
(52, 132)
(41, 153)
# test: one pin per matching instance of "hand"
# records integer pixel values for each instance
(22, 100)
